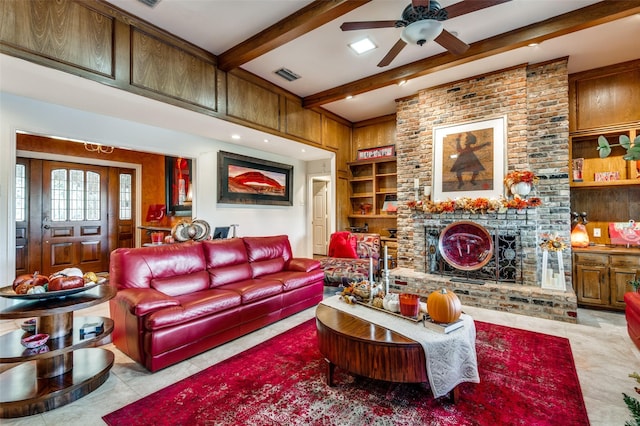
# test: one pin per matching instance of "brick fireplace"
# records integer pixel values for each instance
(534, 98)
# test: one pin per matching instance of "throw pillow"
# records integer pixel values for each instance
(343, 244)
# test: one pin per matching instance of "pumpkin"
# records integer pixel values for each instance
(444, 306)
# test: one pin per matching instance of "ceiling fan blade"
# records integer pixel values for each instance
(468, 6)
(452, 43)
(365, 25)
(391, 55)
(423, 3)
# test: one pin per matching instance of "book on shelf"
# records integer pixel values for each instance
(89, 330)
(442, 327)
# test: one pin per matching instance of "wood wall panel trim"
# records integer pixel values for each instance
(335, 135)
(66, 32)
(605, 97)
(251, 102)
(304, 123)
(164, 68)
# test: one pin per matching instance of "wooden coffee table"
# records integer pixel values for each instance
(369, 350)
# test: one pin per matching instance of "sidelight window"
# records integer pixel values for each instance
(21, 192)
(126, 191)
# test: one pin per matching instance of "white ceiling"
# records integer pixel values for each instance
(322, 58)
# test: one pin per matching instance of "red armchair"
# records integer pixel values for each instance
(349, 255)
(632, 313)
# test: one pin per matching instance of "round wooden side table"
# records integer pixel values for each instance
(68, 367)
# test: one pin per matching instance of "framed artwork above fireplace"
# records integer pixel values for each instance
(469, 159)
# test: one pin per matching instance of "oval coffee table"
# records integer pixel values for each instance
(369, 350)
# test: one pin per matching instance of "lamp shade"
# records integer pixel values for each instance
(421, 32)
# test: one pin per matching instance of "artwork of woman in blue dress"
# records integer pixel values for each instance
(467, 161)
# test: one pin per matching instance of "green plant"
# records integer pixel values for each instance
(633, 404)
(633, 151)
(635, 284)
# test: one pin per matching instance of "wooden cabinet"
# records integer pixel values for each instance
(371, 183)
(601, 276)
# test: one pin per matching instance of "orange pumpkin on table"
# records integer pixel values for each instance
(444, 306)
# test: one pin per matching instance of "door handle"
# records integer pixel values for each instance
(46, 226)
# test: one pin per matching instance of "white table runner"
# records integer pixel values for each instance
(451, 358)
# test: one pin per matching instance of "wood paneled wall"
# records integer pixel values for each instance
(95, 40)
(605, 97)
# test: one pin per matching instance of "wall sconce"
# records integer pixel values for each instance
(96, 147)
(579, 234)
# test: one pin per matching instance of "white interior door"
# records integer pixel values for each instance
(320, 217)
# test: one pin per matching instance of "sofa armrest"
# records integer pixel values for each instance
(301, 264)
(140, 301)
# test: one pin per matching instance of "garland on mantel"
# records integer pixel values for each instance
(475, 205)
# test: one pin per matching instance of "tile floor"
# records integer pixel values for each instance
(603, 353)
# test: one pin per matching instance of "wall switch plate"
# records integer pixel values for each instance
(596, 232)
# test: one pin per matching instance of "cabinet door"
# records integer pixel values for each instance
(622, 270)
(592, 285)
(591, 280)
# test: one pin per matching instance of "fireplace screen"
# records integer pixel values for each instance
(505, 264)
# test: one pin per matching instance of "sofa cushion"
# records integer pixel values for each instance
(295, 279)
(193, 306)
(227, 252)
(229, 274)
(265, 267)
(137, 267)
(254, 289)
(303, 265)
(343, 244)
(266, 248)
(182, 284)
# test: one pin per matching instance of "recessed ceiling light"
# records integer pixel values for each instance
(266, 141)
(303, 150)
(235, 136)
(362, 46)
(402, 82)
(532, 44)
(349, 97)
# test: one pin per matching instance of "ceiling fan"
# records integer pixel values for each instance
(422, 22)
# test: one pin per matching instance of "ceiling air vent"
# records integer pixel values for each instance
(150, 3)
(287, 74)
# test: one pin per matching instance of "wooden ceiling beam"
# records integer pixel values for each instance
(293, 26)
(590, 16)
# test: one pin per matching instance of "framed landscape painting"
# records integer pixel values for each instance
(469, 159)
(247, 180)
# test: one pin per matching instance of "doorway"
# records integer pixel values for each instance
(320, 216)
(71, 215)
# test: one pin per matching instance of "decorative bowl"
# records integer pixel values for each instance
(34, 341)
(29, 325)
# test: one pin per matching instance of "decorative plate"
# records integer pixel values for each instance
(466, 245)
(8, 292)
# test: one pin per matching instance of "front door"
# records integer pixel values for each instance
(74, 217)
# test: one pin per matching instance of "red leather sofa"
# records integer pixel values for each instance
(175, 301)
(632, 313)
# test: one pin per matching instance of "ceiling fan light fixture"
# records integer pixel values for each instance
(421, 32)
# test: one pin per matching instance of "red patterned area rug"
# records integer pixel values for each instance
(526, 378)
